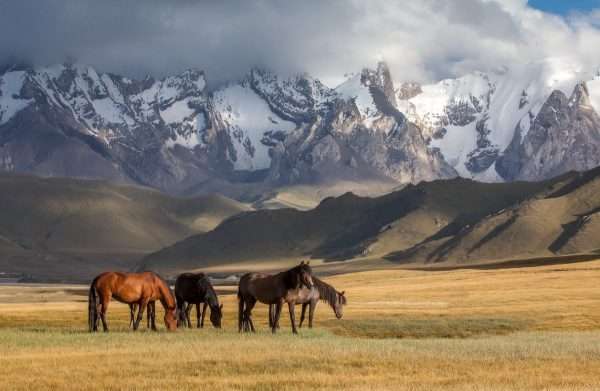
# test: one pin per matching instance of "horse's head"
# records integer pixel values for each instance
(216, 314)
(305, 274)
(338, 306)
(171, 319)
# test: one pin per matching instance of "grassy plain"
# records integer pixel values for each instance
(532, 328)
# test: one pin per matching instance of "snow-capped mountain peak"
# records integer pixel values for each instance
(472, 120)
(526, 122)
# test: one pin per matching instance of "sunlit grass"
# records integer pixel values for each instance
(513, 329)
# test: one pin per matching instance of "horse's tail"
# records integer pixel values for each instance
(240, 311)
(92, 306)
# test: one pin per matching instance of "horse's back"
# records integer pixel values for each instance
(128, 287)
(186, 286)
(265, 288)
(190, 275)
(249, 279)
(109, 278)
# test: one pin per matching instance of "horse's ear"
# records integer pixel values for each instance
(308, 262)
(342, 293)
(301, 263)
(221, 307)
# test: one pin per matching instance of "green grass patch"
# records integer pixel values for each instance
(399, 327)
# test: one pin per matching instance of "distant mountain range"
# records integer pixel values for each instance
(249, 138)
(445, 223)
(69, 230)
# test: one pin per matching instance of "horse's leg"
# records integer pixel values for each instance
(152, 315)
(148, 314)
(275, 325)
(201, 320)
(103, 309)
(291, 306)
(188, 315)
(180, 315)
(143, 304)
(183, 314)
(245, 321)
(131, 314)
(311, 312)
(302, 314)
(178, 312)
(271, 316)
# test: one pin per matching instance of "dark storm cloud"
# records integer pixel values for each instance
(421, 40)
(160, 37)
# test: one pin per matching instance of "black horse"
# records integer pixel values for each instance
(195, 288)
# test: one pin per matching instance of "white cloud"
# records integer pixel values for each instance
(424, 41)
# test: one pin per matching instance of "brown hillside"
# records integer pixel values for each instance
(54, 227)
(344, 227)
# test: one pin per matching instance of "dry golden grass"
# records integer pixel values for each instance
(510, 329)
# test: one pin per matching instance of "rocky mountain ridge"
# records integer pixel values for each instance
(265, 131)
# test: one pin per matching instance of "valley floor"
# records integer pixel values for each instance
(534, 328)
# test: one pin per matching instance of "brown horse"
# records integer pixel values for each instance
(310, 297)
(271, 289)
(129, 288)
(190, 289)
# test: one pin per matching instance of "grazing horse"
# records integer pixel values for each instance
(271, 289)
(196, 289)
(129, 288)
(310, 297)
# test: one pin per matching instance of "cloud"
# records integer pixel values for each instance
(424, 41)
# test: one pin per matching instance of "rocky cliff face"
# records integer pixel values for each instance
(175, 135)
(357, 131)
(565, 135)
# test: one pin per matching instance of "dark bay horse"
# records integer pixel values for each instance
(129, 288)
(271, 289)
(310, 297)
(190, 289)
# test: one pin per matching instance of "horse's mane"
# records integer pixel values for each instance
(210, 290)
(328, 293)
(290, 277)
(166, 284)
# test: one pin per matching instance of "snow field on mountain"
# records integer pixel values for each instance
(456, 145)
(594, 91)
(10, 87)
(248, 117)
(353, 89)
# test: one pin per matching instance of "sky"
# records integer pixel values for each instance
(565, 7)
(422, 41)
